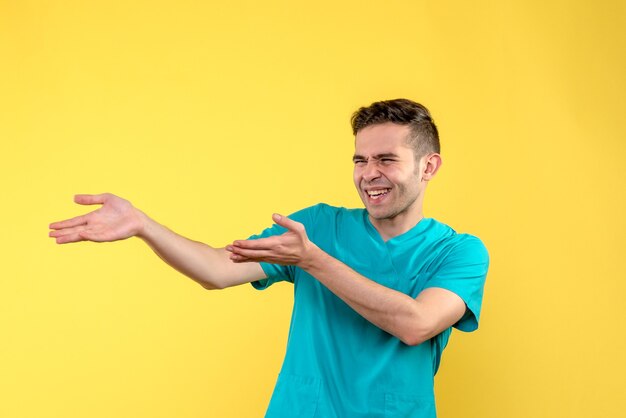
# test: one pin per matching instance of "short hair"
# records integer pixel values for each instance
(424, 137)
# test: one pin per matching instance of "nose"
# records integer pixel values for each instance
(370, 172)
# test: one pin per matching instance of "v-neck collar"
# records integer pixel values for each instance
(411, 233)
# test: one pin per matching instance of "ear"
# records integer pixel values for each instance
(430, 166)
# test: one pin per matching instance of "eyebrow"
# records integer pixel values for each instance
(357, 157)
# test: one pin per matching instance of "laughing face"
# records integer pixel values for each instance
(386, 174)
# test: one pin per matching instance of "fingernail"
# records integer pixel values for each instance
(277, 217)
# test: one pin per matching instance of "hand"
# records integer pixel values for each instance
(291, 248)
(117, 219)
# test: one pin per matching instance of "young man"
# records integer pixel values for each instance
(376, 291)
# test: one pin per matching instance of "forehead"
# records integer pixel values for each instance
(381, 139)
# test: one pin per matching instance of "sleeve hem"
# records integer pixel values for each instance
(264, 283)
(469, 320)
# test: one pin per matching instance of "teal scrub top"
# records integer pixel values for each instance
(337, 363)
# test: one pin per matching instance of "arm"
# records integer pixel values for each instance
(411, 320)
(117, 219)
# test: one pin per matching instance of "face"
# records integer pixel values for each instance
(386, 173)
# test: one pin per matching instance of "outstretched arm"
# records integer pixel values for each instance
(118, 219)
(412, 320)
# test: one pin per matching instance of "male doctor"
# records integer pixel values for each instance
(376, 290)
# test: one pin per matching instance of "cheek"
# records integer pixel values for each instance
(392, 175)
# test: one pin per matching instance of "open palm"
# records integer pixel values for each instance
(115, 220)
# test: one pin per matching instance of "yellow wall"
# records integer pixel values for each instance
(211, 116)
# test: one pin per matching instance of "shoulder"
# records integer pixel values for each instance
(327, 225)
(470, 247)
(461, 245)
(324, 212)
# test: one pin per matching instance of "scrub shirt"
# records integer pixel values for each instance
(337, 363)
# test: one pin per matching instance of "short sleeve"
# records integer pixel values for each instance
(463, 271)
(276, 272)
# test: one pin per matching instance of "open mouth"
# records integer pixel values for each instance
(377, 194)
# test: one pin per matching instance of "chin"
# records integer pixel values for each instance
(378, 214)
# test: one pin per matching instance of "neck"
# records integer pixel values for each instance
(398, 225)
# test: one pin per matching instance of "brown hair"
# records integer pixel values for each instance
(424, 137)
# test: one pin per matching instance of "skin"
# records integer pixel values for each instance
(382, 162)
(117, 219)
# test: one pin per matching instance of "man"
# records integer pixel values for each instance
(376, 291)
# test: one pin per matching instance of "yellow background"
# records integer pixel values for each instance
(210, 116)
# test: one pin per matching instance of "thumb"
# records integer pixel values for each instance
(90, 199)
(287, 223)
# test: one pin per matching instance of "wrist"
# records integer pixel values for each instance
(145, 225)
(313, 257)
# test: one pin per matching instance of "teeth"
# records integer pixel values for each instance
(376, 193)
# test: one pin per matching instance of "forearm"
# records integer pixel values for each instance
(390, 310)
(411, 320)
(210, 267)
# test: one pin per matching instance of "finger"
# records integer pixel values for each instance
(257, 244)
(254, 255)
(285, 222)
(91, 199)
(69, 223)
(65, 231)
(66, 239)
(235, 258)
